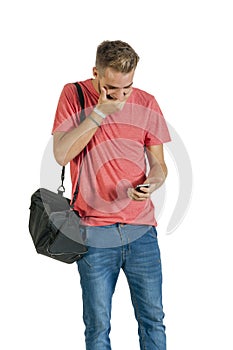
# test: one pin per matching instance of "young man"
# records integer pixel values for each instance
(123, 126)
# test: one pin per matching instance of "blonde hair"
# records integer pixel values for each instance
(117, 55)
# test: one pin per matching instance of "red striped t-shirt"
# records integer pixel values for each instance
(115, 157)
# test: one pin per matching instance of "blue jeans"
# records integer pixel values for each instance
(99, 270)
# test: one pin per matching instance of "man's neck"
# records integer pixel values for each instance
(95, 85)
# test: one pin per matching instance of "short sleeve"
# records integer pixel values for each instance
(158, 132)
(67, 110)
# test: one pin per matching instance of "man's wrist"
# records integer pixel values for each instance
(101, 114)
(94, 121)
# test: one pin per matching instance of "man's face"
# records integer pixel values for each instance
(117, 84)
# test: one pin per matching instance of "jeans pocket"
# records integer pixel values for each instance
(153, 232)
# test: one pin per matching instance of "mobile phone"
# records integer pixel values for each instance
(138, 187)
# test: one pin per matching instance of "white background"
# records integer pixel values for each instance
(186, 62)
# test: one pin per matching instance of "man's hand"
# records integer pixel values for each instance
(110, 105)
(143, 195)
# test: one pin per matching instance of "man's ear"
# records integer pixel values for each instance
(95, 72)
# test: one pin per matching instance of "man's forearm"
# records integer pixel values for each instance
(69, 144)
(157, 175)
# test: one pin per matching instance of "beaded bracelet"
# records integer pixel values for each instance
(101, 114)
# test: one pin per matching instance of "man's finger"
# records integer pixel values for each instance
(103, 93)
